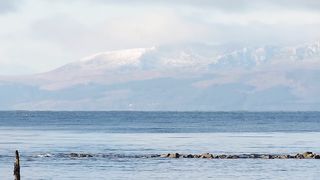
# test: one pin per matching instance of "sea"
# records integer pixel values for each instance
(121, 143)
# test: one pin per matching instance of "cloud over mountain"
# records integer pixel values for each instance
(48, 34)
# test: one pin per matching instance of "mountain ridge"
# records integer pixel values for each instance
(179, 78)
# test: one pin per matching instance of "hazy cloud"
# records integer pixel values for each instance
(48, 34)
(225, 5)
(8, 5)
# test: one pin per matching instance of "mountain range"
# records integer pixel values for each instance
(177, 78)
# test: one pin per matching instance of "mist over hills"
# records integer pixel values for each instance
(177, 77)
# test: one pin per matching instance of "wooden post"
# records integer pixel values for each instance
(16, 170)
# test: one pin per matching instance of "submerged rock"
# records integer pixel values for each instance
(268, 156)
(188, 156)
(222, 156)
(206, 156)
(232, 157)
(153, 156)
(74, 155)
(86, 155)
(255, 156)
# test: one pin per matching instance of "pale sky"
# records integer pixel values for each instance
(40, 35)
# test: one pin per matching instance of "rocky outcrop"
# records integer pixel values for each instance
(308, 155)
(170, 155)
(80, 155)
(305, 155)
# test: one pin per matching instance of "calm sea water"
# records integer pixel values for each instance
(119, 140)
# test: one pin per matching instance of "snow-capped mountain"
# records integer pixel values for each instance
(136, 59)
(194, 77)
(165, 61)
(108, 60)
(123, 66)
(254, 56)
(184, 59)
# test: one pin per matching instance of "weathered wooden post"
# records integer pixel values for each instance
(16, 170)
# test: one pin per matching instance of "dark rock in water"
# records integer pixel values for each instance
(317, 156)
(290, 156)
(74, 155)
(279, 156)
(268, 156)
(174, 155)
(232, 157)
(308, 152)
(255, 156)
(188, 156)
(308, 155)
(206, 156)
(86, 155)
(165, 155)
(283, 156)
(196, 156)
(299, 156)
(154, 155)
(275, 157)
(222, 156)
(243, 156)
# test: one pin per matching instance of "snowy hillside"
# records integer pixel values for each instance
(190, 77)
